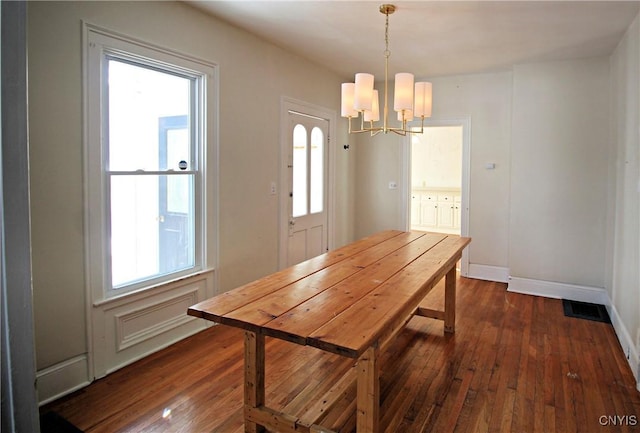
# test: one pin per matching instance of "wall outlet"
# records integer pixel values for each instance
(273, 188)
(393, 185)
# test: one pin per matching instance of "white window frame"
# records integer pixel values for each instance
(99, 42)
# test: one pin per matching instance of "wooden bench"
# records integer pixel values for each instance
(350, 301)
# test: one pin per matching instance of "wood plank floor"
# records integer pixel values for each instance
(515, 364)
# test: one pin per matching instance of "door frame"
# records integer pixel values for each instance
(405, 206)
(287, 105)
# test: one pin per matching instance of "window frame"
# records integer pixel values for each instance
(100, 45)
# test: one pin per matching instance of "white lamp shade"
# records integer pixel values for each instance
(348, 91)
(423, 101)
(403, 95)
(374, 114)
(408, 115)
(363, 97)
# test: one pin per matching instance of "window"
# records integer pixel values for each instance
(146, 164)
(308, 171)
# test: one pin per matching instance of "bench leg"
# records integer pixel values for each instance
(450, 301)
(253, 376)
(368, 397)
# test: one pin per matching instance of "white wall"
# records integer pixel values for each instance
(378, 162)
(436, 156)
(623, 252)
(559, 153)
(253, 76)
(486, 100)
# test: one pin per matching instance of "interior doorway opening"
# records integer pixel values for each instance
(436, 171)
(436, 179)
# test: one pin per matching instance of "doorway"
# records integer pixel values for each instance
(436, 179)
(436, 166)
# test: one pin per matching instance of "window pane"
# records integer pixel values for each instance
(175, 144)
(152, 226)
(138, 98)
(317, 172)
(299, 171)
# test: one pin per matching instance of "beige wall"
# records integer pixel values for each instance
(253, 77)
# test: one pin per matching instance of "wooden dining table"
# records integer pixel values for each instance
(350, 301)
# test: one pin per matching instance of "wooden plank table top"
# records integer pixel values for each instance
(349, 301)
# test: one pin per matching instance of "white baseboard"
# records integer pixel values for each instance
(488, 273)
(550, 289)
(63, 378)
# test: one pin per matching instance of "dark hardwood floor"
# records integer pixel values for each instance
(515, 364)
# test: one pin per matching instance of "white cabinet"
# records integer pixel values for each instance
(428, 210)
(445, 211)
(435, 210)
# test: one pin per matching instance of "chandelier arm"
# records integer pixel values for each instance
(371, 130)
(363, 128)
(398, 131)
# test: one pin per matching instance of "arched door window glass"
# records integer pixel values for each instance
(300, 174)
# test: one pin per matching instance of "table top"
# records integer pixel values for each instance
(344, 300)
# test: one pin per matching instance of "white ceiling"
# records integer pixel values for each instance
(432, 38)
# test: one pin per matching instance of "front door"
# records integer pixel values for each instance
(307, 182)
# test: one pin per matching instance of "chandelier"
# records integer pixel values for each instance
(410, 100)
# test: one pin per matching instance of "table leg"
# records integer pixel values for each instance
(450, 301)
(253, 376)
(368, 388)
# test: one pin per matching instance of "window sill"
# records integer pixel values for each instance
(153, 290)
